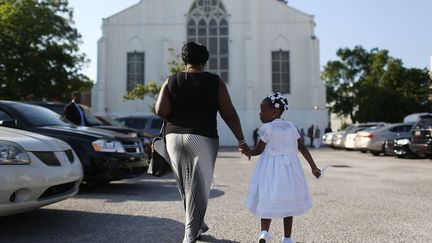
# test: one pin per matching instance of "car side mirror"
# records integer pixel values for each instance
(9, 123)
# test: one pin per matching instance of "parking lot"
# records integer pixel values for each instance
(361, 198)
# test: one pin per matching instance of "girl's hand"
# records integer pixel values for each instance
(248, 154)
(316, 172)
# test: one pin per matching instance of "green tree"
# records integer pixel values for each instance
(373, 86)
(39, 54)
(151, 90)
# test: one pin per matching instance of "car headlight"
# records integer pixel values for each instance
(402, 141)
(132, 134)
(107, 145)
(13, 154)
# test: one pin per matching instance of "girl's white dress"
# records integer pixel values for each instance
(278, 187)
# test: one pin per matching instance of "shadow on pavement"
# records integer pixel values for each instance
(145, 188)
(47, 225)
(209, 238)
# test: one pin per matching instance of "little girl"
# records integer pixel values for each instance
(278, 187)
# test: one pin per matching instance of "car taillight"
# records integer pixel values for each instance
(370, 135)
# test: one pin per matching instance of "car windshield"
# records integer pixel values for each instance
(39, 116)
(91, 119)
(425, 122)
(112, 121)
(350, 128)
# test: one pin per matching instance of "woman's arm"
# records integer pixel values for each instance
(305, 152)
(229, 114)
(163, 103)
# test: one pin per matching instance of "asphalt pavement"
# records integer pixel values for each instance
(361, 198)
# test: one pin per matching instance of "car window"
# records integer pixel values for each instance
(407, 128)
(112, 121)
(91, 119)
(425, 122)
(5, 116)
(38, 116)
(138, 123)
(59, 109)
(156, 124)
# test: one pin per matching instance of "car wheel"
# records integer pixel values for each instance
(400, 156)
(375, 153)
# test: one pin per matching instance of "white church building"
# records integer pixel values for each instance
(256, 46)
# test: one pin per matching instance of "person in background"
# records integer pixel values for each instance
(255, 136)
(302, 135)
(73, 111)
(189, 101)
(317, 137)
(310, 134)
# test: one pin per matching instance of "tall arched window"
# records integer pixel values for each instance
(207, 24)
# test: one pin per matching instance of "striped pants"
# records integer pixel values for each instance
(193, 159)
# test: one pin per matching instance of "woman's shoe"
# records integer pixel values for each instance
(264, 237)
(202, 231)
(286, 240)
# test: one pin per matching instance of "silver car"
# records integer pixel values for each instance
(347, 137)
(338, 136)
(373, 140)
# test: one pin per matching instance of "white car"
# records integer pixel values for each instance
(35, 171)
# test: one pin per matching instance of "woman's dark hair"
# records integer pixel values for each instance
(195, 54)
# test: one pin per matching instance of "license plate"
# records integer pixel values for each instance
(417, 133)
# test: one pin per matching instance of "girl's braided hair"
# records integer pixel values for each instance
(278, 101)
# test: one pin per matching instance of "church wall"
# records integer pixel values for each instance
(255, 29)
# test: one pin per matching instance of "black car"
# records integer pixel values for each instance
(104, 155)
(398, 147)
(150, 125)
(93, 121)
(421, 136)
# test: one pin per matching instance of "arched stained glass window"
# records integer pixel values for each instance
(207, 24)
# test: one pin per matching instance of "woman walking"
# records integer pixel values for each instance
(189, 102)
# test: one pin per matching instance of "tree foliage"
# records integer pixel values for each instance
(39, 53)
(373, 86)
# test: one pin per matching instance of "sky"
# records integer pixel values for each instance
(402, 27)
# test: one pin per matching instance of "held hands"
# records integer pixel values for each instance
(244, 149)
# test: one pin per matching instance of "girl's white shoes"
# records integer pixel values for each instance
(286, 240)
(264, 237)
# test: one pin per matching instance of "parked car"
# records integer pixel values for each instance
(421, 136)
(337, 137)
(401, 148)
(93, 121)
(373, 140)
(105, 155)
(145, 138)
(327, 138)
(35, 171)
(389, 146)
(347, 140)
(148, 124)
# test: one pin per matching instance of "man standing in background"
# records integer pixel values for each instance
(73, 111)
(310, 134)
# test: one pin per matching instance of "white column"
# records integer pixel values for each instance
(101, 76)
(251, 55)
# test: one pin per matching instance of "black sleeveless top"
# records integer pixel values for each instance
(194, 104)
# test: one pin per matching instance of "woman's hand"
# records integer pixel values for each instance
(316, 172)
(243, 148)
